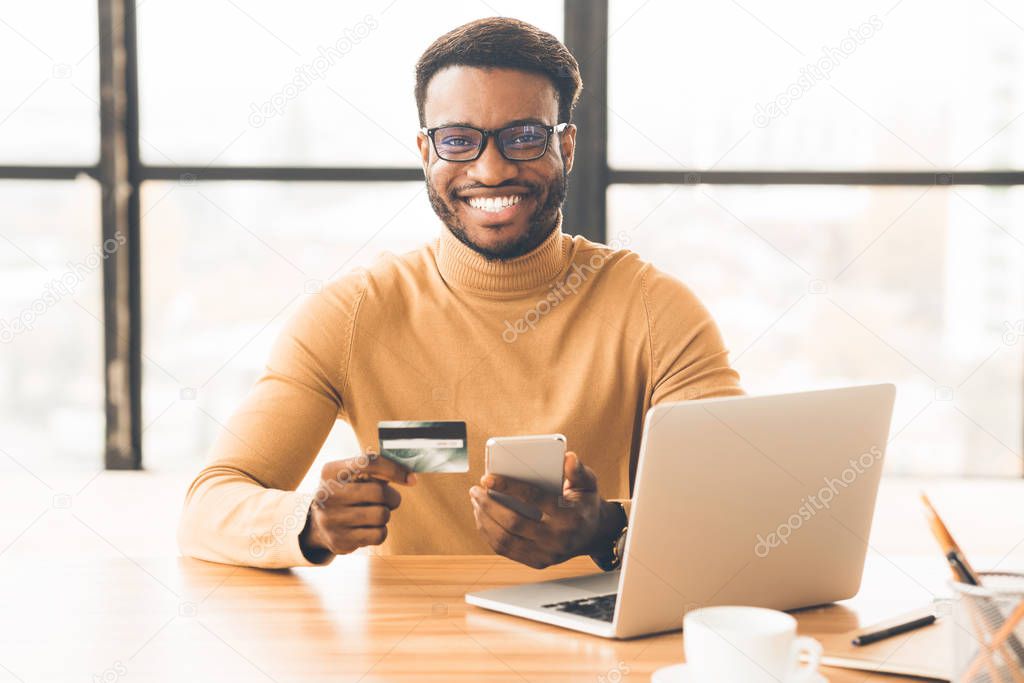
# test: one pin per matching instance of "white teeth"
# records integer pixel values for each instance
(494, 204)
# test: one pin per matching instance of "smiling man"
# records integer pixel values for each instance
(500, 207)
(505, 322)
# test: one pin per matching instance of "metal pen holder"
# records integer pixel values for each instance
(988, 629)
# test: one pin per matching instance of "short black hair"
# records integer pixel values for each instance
(503, 43)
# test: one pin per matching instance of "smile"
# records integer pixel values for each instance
(494, 204)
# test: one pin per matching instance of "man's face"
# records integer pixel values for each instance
(490, 99)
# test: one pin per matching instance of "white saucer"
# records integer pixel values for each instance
(677, 673)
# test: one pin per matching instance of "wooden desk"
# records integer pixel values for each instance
(382, 619)
(78, 608)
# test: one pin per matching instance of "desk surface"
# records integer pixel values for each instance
(82, 600)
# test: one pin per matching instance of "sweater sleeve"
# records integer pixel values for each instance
(242, 508)
(688, 356)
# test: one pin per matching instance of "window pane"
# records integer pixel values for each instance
(49, 102)
(829, 286)
(866, 85)
(51, 330)
(308, 83)
(224, 266)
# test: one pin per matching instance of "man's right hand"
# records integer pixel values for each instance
(352, 505)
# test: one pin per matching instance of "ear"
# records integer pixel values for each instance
(423, 143)
(568, 145)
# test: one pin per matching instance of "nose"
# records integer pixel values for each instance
(491, 168)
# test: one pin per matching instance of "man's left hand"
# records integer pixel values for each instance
(578, 522)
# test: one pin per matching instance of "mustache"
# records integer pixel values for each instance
(456, 191)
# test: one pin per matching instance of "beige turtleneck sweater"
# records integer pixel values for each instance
(573, 337)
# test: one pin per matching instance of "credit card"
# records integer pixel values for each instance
(425, 446)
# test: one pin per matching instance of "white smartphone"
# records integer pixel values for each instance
(536, 460)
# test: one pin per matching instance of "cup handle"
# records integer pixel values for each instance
(812, 647)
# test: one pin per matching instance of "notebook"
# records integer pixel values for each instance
(925, 652)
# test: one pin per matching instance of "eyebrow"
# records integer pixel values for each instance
(515, 122)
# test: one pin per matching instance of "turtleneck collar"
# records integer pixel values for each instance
(463, 267)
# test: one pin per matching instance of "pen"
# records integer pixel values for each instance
(882, 634)
(956, 563)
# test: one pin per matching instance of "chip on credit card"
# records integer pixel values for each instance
(425, 446)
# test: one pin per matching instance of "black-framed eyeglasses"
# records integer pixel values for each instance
(516, 143)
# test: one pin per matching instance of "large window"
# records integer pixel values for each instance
(225, 262)
(839, 182)
(911, 275)
(50, 95)
(877, 85)
(823, 286)
(51, 251)
(317, 83)
(51, 323)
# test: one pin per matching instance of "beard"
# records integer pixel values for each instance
(541, 223)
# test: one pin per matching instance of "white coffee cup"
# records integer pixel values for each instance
(747, 645)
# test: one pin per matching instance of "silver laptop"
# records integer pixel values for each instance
(763, 501)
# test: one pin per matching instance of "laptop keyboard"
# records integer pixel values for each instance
(601, 607)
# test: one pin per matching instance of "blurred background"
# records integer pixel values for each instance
(841, 183)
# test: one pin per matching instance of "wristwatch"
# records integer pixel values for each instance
(611, 557)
